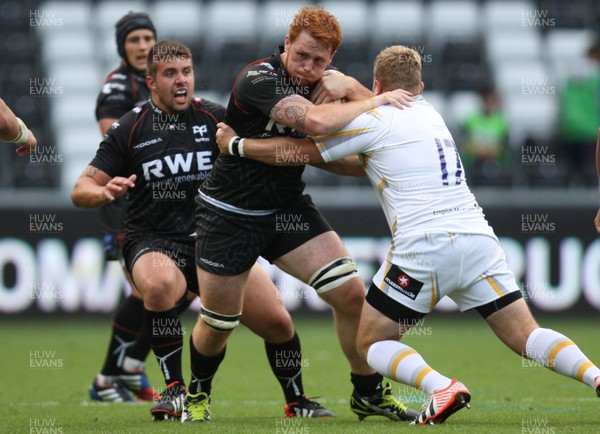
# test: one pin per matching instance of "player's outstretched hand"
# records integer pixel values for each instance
(399, 98)
(118, 186)
(27, 147)
(224, 134)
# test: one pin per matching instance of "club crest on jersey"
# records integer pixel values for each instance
(200, 130)
(400, 281)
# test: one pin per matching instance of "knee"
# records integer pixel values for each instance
(279, 329)
(348, 298)
(275, 328)
(159, 294)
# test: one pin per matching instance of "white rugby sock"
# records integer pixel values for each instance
(560, 354)
(403, 364)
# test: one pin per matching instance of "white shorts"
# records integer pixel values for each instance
(469, 268)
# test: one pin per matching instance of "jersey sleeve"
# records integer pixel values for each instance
(111, 156)
(114, 100)
(355, 138)
(259, 89)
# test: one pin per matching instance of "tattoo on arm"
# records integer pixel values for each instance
(91, 171)
(291, 111)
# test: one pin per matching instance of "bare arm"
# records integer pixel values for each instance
(349, 166)
(95, 188)
(13, 130)
(299, 113)
(287, 151)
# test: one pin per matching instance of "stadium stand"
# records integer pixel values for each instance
(523, 47)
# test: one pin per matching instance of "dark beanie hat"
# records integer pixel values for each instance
(130, 22)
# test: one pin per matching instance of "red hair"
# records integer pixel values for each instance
(323, 26)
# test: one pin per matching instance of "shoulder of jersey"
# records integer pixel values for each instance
(115, 82)
(206, 104)
(264, 68)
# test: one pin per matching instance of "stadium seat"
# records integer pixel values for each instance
(178, 19)
(462, 66)
(437, 99)
(108, 58)
(18, 46)
(232, 44)
(108, 12)
(565, 48)
(569, 14)
(506, 15)
(396, 22)
(16, 15)
(276, 17)
(459, 106)
(68, 46)
(510, 45)
(73, 15)
(530, 116)
(73, 110)
(352, 56)
(76, 78)
(354, 16)
(522, 78)
(452, 21)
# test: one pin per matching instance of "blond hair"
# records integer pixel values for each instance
(398, 67)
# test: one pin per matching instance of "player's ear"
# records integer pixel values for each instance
(377, 87)
(150, 82)
(422, 86)
(286, 42)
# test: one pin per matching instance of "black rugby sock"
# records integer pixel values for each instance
(166, 340)
(204, 369)
(367, 385)
(286, 363)
(126, 327)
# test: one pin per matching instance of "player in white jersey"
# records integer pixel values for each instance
(442, 244)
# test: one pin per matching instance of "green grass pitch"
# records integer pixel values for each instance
(48, 364)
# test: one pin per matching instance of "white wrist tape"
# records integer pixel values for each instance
(23, 133)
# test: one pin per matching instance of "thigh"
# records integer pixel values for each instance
(297, 227)
(304, 260)
(489, 278)
(227, 243)
(513, 324)
(222, 294)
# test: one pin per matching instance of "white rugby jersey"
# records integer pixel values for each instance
(412, 161)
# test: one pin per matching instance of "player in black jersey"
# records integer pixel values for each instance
(156, 156)
(122, 375)
(244, 204)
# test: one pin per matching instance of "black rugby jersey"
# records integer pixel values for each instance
(246, 184)
(171, 155)
(123, 89)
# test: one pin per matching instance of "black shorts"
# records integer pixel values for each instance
(229, 243)
(181, 252)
